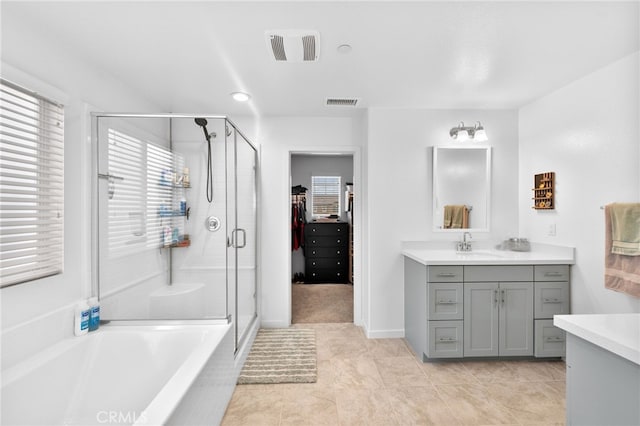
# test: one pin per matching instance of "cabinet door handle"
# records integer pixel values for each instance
(495, 297)
(502, 296)
(553, 339)
(446, 274)
(447, 339)
(552, 274)
(551, 300)
(446, 302)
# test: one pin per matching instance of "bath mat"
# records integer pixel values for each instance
(281, 355)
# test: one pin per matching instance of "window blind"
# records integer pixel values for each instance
(31, 185)
(325, 195)
(142, 197)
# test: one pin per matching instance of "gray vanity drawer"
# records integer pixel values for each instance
(492, 273)
(550, 298)
(551, 272)
(445, 274)
(549, 340)
(444, 301)
(444, 339)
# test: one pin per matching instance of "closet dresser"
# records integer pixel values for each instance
(326, 252)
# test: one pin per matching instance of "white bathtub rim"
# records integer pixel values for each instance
(37, 360)
(166, 401)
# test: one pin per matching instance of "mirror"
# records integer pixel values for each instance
(461, 188)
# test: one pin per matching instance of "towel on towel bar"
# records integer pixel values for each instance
(625, 228)
(456, 216)
(621, 272)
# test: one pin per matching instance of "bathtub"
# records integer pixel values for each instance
(124, 374)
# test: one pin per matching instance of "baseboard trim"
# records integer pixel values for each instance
(384, 334)
(274, 324)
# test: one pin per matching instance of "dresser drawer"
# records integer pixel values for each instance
(326, 275)
(327, 229)
(325, 262)
(550, 298)
(445, 274)
(551, 272)
(312, 252)
(326, 241)
(444, 301)
(492, 273)
(444, 339)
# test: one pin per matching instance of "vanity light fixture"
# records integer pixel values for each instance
(241, 96)
(465, 133)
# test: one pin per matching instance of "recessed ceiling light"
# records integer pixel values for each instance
(241, 96)
(344, 48)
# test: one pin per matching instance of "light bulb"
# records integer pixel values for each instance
(480, 135)
(462, 135)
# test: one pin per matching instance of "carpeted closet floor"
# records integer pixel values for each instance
(321, 303)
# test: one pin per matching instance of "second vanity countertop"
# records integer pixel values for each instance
(617, 333)
(439, 253)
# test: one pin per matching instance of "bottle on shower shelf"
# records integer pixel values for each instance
(186, 181)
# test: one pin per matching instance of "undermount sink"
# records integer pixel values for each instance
(479, 253)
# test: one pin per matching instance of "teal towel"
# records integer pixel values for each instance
(625, 228)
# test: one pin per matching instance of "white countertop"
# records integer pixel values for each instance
(617, 333)
(540, 254)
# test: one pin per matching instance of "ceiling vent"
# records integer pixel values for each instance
(293, 45)
(345, 102)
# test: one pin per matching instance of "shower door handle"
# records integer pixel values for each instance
(234, 241)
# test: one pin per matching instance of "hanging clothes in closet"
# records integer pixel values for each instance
(298, 216)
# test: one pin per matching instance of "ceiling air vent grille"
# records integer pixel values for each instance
(277, 46)
(293, 45)
(346, 102)
(309, 47)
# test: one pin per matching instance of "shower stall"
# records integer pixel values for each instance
(175, 219)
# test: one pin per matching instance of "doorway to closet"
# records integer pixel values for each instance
(322, 238)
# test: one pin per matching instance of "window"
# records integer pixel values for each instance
(31, 185)
(325, 195)
(141, 197)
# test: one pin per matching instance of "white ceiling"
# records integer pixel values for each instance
(189, 56)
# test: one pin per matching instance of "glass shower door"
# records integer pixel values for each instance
(241, 213)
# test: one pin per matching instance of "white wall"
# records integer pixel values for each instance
(47, 68)
(587, 133)
(278, 137)
(399, 195)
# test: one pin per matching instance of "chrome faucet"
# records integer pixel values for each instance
(464, 245)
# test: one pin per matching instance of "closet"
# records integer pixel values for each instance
(321, 219)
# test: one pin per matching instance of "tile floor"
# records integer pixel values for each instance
(380, 382)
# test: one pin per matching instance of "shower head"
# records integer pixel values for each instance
(202, 122)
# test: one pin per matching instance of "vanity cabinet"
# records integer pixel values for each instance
(454, 311)
(498, 311)
(498, 319)
(551, 296)
(434, 310)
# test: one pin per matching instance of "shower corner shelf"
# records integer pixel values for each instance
(544, 191)
(173, 185)
(181, 244)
